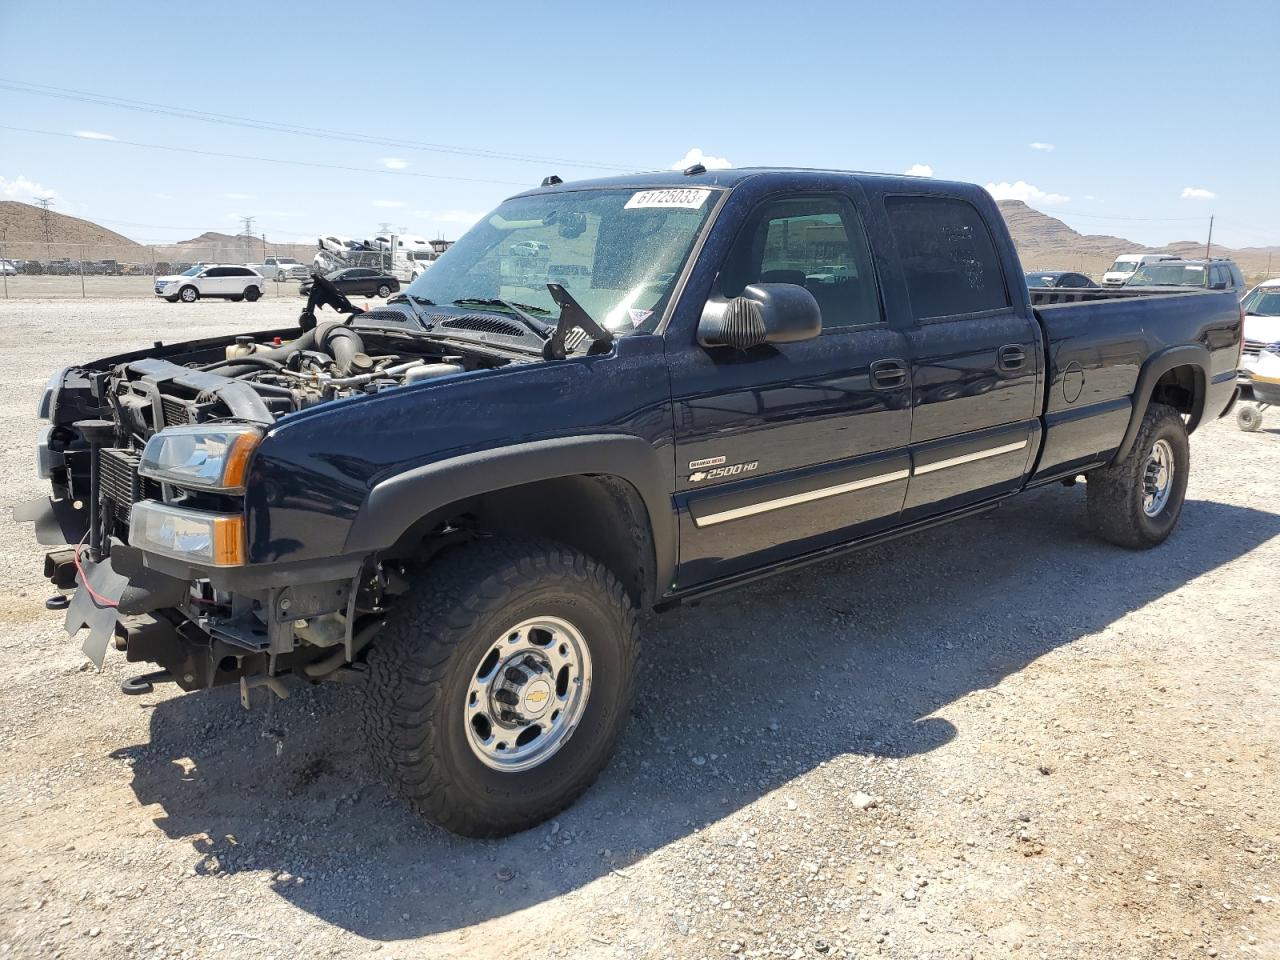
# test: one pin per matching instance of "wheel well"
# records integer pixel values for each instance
(1182, 388)
(601, 515)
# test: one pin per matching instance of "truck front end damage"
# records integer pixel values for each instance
(154, 499)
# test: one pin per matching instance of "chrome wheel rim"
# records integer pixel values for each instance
(1157, 478)
(527, 694)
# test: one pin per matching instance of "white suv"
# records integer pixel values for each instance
(212, 280)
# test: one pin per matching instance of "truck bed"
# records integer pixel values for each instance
(1097, 342)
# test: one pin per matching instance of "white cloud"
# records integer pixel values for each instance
(394, 163)
(389, 204)
(1026, 192)
(1197, 193)
(162, 196)
(919, 170)
(25, 190)
(695, 155)
(1090, 196)
(239, 196)
(1039, 145)
(93, 135)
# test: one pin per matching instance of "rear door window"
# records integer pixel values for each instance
(948, 257)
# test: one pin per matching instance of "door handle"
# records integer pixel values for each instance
(888, 374)
(1012, 357)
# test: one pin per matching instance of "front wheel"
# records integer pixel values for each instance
(384, 291)
(188, 294)
(501, 683)
(1136, 501)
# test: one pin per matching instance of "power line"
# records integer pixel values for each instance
(204, 116)
(244, 156)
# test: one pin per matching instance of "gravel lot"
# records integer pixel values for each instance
(999, 739)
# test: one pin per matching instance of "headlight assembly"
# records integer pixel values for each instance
(49, 398)
(208, 539)
(201, 457)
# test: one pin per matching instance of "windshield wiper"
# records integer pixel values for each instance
(412, 299)
(519, 310)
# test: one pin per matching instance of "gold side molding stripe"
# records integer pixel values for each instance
(764, 506)
(806, 497)
(970, 457)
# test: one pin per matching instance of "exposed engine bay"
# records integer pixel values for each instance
(261, 380)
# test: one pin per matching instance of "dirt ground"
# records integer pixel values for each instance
(999, 739)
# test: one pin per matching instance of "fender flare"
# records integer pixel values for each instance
(1191, 355)
(395, 503)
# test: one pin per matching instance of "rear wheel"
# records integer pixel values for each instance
(1136, 502)
(188, 294)
(252, 293)
(501, 684)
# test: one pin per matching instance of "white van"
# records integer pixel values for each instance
(1127, 265)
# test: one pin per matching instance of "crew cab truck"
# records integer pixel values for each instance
(462, 497)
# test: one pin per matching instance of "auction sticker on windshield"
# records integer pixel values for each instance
(685, 198)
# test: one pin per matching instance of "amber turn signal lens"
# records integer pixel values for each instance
(236, 470)
(228, 541)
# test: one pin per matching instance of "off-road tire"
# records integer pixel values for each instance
(1116, 493)
(188, 294)
(384, 291)
(1248, 418)
(435, 637)
(252, 294)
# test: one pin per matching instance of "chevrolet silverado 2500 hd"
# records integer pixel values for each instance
(464, 496)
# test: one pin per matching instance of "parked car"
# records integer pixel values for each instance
(1261, 307)
(1059, 278)
(469, 491)
(1218, 273)
(225, 281)
(1120, 271)
(358, 282)
(282, 268)
(8, 268)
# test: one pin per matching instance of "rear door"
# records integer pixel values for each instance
(783, 450)
(975, 354)
(215, 282)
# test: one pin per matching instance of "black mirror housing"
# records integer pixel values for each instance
(764, 313)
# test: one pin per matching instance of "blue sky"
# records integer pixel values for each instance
(1138, 121)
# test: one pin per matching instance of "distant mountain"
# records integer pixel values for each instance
(1046, 243)
(212, 236)
(22, 225)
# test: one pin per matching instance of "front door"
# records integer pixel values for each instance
(975, 354)
(785, 449)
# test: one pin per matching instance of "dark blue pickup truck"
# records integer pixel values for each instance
(607, 396)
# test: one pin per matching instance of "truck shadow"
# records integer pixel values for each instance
(738, 697)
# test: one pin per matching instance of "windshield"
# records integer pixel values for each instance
(1263, 302)
(191, 272)
(1123, 266)
(617, 252)
(1169, 274)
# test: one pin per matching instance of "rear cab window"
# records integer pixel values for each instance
(948, 257)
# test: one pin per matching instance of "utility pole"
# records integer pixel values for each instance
(1209, 243)
(247, 233)
(47, 222)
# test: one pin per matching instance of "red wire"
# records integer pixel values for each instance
(84, 581)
